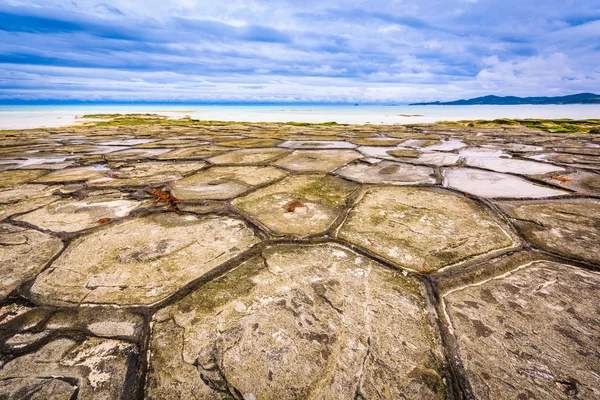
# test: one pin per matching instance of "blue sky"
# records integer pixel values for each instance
(296, 51)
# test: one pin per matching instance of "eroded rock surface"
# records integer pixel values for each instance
(420, 229)
(73, 216)
(317, 160)
(219, 183)
(530, 334)
(388, 172)
(23, 254)
(141, 261)
(494, 184)
(299, 322)
(91, 369)
(571, 228)
(300, 205)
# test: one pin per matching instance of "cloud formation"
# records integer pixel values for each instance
(251, 50)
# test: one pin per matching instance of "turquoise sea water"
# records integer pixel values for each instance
(22, 117)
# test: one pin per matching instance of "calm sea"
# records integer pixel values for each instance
(22, 117)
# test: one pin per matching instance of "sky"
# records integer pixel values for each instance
(296, 50)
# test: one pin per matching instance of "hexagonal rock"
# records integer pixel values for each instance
(221, 183)
(388, 172)
(529, 334)
(299, 322)
(298, 205)
(67, 368)
(495, 184)
(75, 174)
(248, 156)
(420, 229)
(317, 160)
(193, 152)
(24, 254)
(71, 216)
(141, 261)
(146, 173)
(568, 227)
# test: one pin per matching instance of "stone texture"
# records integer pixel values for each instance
(146, 173)
(75, 174)
(532, 333)
(580, 181)
(18, 177)
(570, 228)
(317, 160)
(420, 229)
(72, 216)
(24, 253)
(299, 322)
(387, 172)
(248, 156)
(495, 185)
(94, 369)
(221, 183)
(141, 261)
(301, 205)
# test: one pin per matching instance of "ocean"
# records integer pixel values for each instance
(35, 116)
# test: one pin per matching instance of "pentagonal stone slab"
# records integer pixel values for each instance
(147, 173)
(568, 227)
(248, 156)
(141, 261)
(24, 253)
(388, 172)
(299, 322)
(299, 205)
(420, 229)
(92, 369)
(494, 184)
(72, 216)
(220, 183)
(317, 160)
(532, 333)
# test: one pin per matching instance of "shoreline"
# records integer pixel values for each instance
(31, 117)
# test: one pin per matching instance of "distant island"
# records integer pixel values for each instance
(581, 98)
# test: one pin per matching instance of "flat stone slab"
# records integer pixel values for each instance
(317, 160)
(299, 322)
(90, 369)
(531, 333)
(24, 253)
(387, 172)
(75, 174)
(199, 152)
(420, 229)
(300, 205)
(248, 156)
(17, 177)
(569, 227)
(514, 166)
(221, 183)
(495, 185)
(146, 173)
(141, 261)
(581, 181)
(317, 144)
(72, 216)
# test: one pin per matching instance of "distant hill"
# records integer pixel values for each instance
(581, 98)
